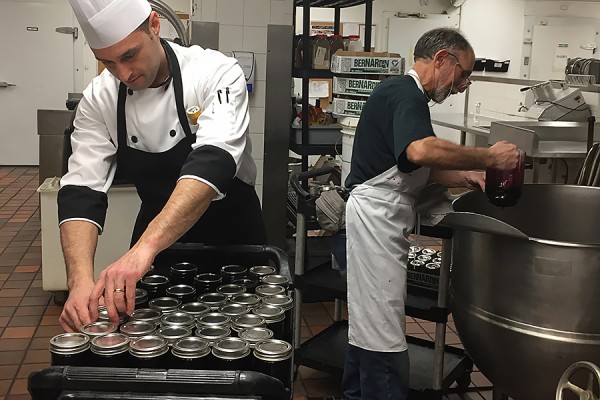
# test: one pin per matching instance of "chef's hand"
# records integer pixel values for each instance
(117, 284)
(75, 313)
(504, 156)
(475, 180)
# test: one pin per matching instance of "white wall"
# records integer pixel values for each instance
(243, 26)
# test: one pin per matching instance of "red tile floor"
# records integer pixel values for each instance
(29, 318)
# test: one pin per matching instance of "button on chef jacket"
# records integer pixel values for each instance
(153, 126)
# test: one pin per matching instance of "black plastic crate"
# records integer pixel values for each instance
(97, 382)
(497, 66)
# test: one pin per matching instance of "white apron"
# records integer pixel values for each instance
(380, 215)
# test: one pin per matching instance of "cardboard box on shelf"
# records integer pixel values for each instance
(348, 107)
(357, 62)
(352, 86)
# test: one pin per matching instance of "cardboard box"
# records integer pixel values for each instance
(355, 87)
(347, 107)
(355, 62)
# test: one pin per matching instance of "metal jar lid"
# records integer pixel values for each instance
(155, 280)
(280, 300)
(141, 296)
(231, 289)
(138, 328)
(233, 271)
(231, 348)
(148, 346)
(233, 310)
(207, 278)
(213, 300)
(213, 320)
(191, 347)
(178, 318)
(428, 252)
(271, 314)
(255, 335)
(247, 321)
(180, 291)
(69, 343)
(269, 290)
(248, 299)
(165, 304)
(195, 308)
(147, 314)
(103, 315)
(262, 270)
(279, 280)
(213, 334)
(99, 328)
(111, 344)
(424, 258)
(273, 350)
(184, 268)
(173, 333)
(432, 265)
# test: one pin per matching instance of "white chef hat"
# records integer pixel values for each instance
(107, 22)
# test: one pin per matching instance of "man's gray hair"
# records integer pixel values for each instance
(437, 39)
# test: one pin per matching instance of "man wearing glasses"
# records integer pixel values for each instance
(395, 154)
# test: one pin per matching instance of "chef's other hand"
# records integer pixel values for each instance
(117, 284)
(475, 180)
(504, 156)
(75, 313)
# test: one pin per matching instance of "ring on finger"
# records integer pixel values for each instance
(119, 290)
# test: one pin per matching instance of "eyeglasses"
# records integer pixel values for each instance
(464, 74)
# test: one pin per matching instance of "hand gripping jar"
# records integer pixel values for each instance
(149, 352)
(166, 305)
(274, 316)
(190, 353)
(111, 350)
(274, 357)
(70, 349)
(232, 354)
(213, 300)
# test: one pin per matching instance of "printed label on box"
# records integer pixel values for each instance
(351, 108)
(358, 87)
(353, 63)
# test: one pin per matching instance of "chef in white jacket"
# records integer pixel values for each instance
(195, 178)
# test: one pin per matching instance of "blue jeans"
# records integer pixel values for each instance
(371, 375)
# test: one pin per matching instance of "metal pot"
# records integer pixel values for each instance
(525, 285)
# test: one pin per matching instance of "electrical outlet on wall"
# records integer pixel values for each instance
(424, 2)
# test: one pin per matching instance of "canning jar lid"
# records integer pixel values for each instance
(275, 280)
(69, 343)
(172, 333)
(271, 314)
(152, 280)
(233, 269)
(247, 321)
(247, 299)
(273, 350)
(111, 344)
(213, 319)
(140, 295)
(148, 346)
(191, 347)
(280, 300)
(178, 318)
(184, 267)
(213, 333)
(195, 308)
(165, 304)
(269, 290)
(231, 348)
(255, 335)
(103, 315)
(180, 290)
(213, 299)
(233, 309)
(146, 314)
(99, 328)
(138, 328)
(231, 289)
(262, 270)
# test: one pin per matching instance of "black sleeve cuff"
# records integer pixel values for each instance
(212, 164)
(81, 202)
(405, 165)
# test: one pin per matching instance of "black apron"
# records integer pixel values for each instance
(235, 219)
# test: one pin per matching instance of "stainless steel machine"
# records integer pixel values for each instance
(525, 285)
(555, 101)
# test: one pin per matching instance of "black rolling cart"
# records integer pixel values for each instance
(70, 382)
(434, 366)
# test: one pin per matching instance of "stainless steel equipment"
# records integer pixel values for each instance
(525, 285)
(555, 101)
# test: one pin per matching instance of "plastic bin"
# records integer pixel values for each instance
(496, 66)
(97, 382)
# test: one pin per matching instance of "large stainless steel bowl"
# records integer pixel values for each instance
(526, 285)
